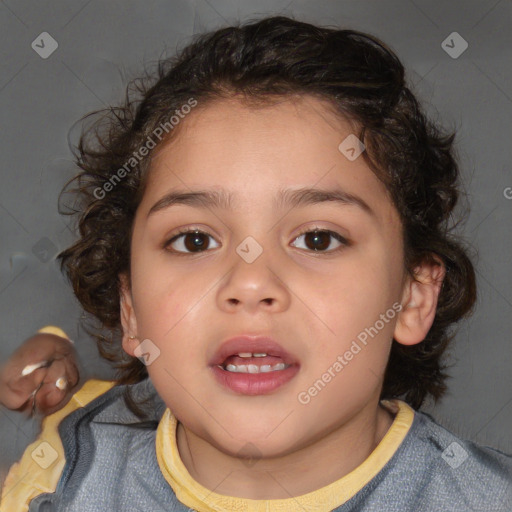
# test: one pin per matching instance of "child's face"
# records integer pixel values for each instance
(313, 303)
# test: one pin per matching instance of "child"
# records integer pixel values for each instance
(265, 234)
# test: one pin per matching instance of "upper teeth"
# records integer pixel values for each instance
(253, 368)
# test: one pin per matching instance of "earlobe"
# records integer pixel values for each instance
(128, 318)
(420, 298)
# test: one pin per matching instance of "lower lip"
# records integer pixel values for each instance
(255, 383)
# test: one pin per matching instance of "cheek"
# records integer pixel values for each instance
(170, 309)
(356, 316)
(155, 288)
(353, 295)
(154, 304)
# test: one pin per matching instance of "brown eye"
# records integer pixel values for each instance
(190, 242)
(320, 241)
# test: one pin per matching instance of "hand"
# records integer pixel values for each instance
(40, 376)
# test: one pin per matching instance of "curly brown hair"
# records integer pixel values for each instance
(261, 61)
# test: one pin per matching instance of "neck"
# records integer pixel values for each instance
(325, 460)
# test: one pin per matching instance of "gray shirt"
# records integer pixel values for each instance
(111, 465)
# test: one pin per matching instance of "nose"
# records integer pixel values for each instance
(254, 286)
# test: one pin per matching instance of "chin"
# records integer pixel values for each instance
(255, 448)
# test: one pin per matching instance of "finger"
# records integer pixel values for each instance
(62, 373)
(31, 367)
(38, 348)
(72, 373)
(14, 401)
(49, 397)
(64, 346)
(56, 387)
(25, 408)
(68, 355)
(18, 390)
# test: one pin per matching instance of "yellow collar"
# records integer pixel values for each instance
(194, 495)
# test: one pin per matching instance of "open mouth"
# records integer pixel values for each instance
(253, 365)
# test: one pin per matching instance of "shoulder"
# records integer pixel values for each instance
(459, 472)
(43, 461)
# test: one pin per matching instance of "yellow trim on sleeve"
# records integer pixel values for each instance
(40, 467)
(52, 329)
(194, 495)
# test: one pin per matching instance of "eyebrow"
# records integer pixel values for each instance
(285, 199)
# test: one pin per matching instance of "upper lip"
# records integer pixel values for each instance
(250, 343)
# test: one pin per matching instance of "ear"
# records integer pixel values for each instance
(419, 298)
(128, 319)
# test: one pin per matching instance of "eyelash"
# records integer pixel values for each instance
(344, 242)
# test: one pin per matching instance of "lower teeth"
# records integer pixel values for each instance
(252, 368)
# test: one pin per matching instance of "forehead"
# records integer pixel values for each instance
(256, 152)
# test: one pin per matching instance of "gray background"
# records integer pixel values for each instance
(103, 44)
